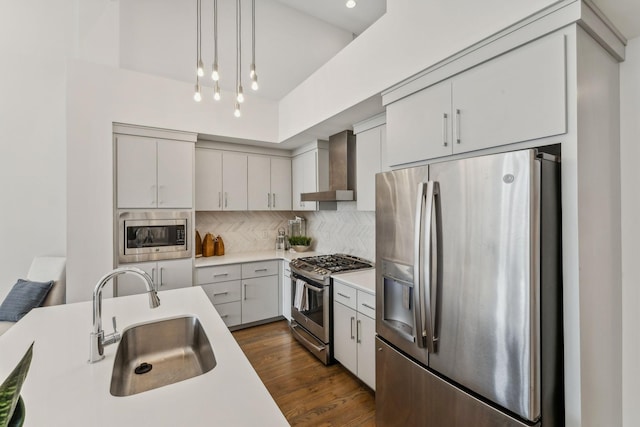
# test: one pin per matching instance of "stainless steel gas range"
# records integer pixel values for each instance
(311, 295)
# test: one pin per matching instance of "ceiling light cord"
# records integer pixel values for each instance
(197, 96)
(200, 66)
(252, 72)
(215, 75)
(239, 95)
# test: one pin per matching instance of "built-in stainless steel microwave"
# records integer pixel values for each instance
(153, 235)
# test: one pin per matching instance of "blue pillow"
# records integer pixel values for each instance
(24, 296)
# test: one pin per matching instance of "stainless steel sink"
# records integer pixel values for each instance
(160, 353)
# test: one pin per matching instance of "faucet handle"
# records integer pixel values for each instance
(113, 337)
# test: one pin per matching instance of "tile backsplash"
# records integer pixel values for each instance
(346, 230)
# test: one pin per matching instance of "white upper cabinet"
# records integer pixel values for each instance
(310, 173)
(153, 173)
(280, 184)
(269, 186)
(515, 97)
(234, 181)
(208, 180)
(369, 145)
(175, 174)
(419, 126)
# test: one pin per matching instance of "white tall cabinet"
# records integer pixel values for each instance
(153, 172)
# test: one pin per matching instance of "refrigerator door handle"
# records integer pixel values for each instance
(418, 265)
(423, 271)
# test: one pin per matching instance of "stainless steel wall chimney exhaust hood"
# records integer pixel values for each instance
(342, 171)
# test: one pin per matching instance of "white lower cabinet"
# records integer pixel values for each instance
(242, 293)
(354, 331)
(286, 290)
(170, 274)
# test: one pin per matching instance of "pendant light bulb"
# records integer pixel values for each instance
(197, 96)
(254, 82)
(215, 76)
(236, 112)
(200, 68)
(351, 4)
(240, 96)
(216, 92)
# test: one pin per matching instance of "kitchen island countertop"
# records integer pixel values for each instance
(63, 389)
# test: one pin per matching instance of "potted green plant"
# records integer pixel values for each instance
(300, 243)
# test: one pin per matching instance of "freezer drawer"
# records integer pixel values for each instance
(407, 394)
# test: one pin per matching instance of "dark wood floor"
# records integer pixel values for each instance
(307, 392)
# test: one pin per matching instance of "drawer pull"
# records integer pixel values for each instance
(221, 275)
(368, 306)
(224, 316)
(261, 269)
(220, 293)
(344, 296)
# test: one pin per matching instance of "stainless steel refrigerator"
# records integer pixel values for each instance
(469, 293)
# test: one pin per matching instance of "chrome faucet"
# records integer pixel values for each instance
(98, 338)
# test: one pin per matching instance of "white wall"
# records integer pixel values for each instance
(34, 42)
(410, 37)
(630, 177)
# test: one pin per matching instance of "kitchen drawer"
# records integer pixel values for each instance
(230, 313)
(259, 269)
(223, 292)
(217, 273)
(367, 304)
(344, 294)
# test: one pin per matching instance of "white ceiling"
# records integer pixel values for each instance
(354, 20)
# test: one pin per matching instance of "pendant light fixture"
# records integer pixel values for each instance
(351, 4)
(215, 75)
(252, 72)
(200, 66)
(239, 94)
(197, 96)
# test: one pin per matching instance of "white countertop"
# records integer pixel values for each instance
(240, 257)
(62, 389)
(365, 280)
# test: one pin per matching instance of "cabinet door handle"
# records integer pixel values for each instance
(268, 200)
(161, 271)
(368, 306)
(343, 295)
(220, 293)
(358, 333)
(153, 277)
(219, 199)
(226, 199)
(160, 201)
(273, 200)
(245, 291)
(444, 129)
(352, 320)
(458, 126)
(221, 275)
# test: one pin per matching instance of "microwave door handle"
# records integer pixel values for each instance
(418, 266)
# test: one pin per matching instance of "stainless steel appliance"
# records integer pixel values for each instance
(468, 292)
(311, 295)
(153, 235)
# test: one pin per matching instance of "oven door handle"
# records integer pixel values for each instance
(313, 288)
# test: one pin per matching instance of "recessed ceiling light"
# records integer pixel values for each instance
(351, 4)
